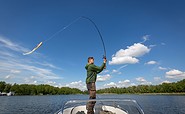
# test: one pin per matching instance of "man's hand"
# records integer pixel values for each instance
(104, 60)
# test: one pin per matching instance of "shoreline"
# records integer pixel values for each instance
(163, 93)
(183, 93)
(143, 94)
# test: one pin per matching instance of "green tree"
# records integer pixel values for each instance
(7, 88)
(2, 86)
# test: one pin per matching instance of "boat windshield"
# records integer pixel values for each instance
(102, 106)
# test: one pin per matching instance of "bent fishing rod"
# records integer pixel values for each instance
(61, 30)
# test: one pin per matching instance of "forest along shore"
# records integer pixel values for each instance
(175, 88)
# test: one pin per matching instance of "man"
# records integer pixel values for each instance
(92, 71)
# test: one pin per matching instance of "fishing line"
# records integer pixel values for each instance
(61, 30)
(52, 36)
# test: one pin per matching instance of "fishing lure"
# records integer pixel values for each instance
(33, 49)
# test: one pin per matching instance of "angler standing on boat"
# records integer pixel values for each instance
(92, 71)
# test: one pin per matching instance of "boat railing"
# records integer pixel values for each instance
(129, 106)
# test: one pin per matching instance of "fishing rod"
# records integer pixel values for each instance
(103, 44)
(61, 30)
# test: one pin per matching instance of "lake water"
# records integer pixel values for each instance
(151, 104)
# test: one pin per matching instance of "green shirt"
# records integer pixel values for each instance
(92, 71)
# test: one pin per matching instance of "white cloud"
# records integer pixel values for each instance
(111, 84)
(145, 38)
(48, 65)
(15, 71)
(123, 83)
(140, 79)
(151, 62)
(35, 82)
(128, 56)
(11, 45)
(135, 50)
(118, 70)
(105, 71)
(114, 71)
(162, 68)
(103, 78)
(50, 82)
(123, 60)
(166, 81)
(157, 78)
(143, 81)
(21, 68)
(2, 53)
(175, 74)
(151, 46)
(77, 84)
(8, 77)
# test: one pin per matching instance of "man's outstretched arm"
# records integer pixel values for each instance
(97, 68)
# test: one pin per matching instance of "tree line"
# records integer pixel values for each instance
(176, 87)
(30, 89)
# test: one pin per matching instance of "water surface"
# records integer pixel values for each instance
(151, 104)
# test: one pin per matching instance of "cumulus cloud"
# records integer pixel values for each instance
(49, 82)
(175, 74)
(166, 81)
(151, 62)
(143, 81)
(129, 55)
(103, 78)
(123, 60)
(111, 84)
(77, 84)
(28, 80)
(123, 83)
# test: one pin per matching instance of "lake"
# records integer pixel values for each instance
(151, 104)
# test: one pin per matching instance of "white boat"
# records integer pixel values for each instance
(10, 93)
(102, 106)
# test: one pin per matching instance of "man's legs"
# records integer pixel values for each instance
(92, 95)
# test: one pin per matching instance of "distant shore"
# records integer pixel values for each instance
(143, 94)
(183, 94)
(163, 93)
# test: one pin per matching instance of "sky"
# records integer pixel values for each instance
(144, 42)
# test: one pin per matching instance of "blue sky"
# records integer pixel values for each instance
(144, 41)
